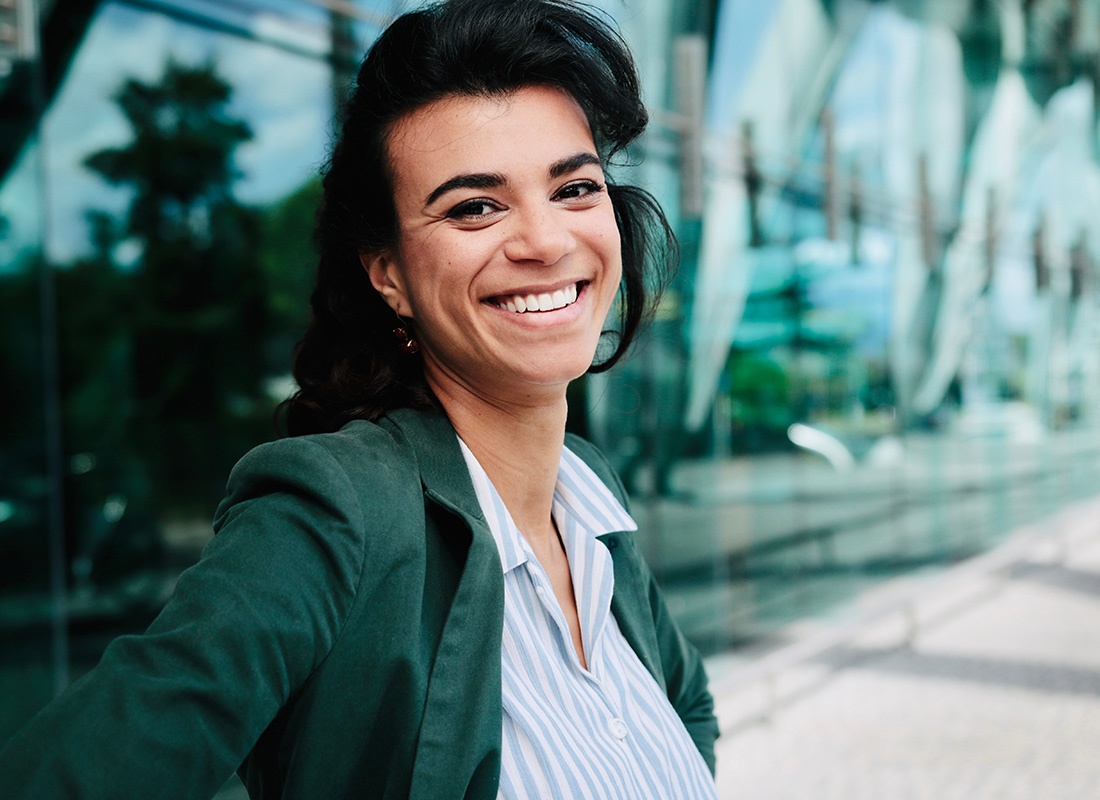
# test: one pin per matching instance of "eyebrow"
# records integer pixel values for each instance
(475, 180)
(573, 163)
(491, 180)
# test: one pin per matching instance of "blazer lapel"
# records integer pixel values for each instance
(461, 728)
(632, 609)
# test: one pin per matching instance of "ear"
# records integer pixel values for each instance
(385, 276)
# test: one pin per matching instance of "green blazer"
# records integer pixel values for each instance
(339, 638)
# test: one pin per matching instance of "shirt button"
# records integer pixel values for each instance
(618, 728)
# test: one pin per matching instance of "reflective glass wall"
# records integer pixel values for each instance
(158, 183)
(33, 658)
(878, 357)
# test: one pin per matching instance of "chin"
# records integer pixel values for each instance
(556, 373)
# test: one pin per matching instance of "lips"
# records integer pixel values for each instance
(542, 301)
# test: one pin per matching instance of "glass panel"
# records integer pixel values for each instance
(27, 649)
(172, 197)
(869, 365)
(182, 248)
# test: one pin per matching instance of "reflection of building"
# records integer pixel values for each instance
(951, 132)
(887, 213)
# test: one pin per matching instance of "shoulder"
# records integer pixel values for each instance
(355, 441)
(331, 455)
(360, 464)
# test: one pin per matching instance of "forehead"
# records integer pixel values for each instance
(531, 127)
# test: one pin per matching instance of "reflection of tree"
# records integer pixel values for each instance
(180, 160)
(289, 263)
(19, 349)
(188, 318)
(761, 407)
(21, 356)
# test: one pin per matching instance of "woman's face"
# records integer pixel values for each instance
(507, 255)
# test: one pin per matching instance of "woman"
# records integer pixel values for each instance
(433, 594)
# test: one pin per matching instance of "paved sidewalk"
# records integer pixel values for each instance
(1000, 700)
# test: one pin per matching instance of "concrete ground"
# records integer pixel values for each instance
(999, 700)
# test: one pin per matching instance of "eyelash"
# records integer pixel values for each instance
(464, 210)
(591, 186)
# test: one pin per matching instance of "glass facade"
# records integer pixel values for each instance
(878, 358)
(156, 205)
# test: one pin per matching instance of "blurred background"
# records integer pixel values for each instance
(879, 358)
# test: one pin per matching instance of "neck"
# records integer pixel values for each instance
(519, 445)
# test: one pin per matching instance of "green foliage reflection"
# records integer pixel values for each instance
(760, 402)
(163, 326)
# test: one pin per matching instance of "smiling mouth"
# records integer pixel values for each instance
(545, 301)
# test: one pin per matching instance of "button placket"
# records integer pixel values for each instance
(615, 722)
(553, 609)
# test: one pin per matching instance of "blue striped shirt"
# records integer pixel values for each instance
(607, 732)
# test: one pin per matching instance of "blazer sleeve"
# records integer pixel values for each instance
(174, 711)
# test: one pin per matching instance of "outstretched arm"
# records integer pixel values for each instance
(173, 712)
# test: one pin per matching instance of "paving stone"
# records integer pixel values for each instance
(1001, 701)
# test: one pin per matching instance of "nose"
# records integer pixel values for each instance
(541, 235)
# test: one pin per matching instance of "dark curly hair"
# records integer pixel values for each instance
(348, 365)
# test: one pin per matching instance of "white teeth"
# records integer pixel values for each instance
(543, 302)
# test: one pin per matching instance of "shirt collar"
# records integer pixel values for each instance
(579, 493)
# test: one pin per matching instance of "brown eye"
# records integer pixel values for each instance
(472, 209)
(578, 189)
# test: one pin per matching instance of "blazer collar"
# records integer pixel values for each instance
(442, 469)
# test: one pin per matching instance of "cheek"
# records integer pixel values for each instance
(616, 250)
(425, 260)
(612, 255)
(610, 238)
(439, 271)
